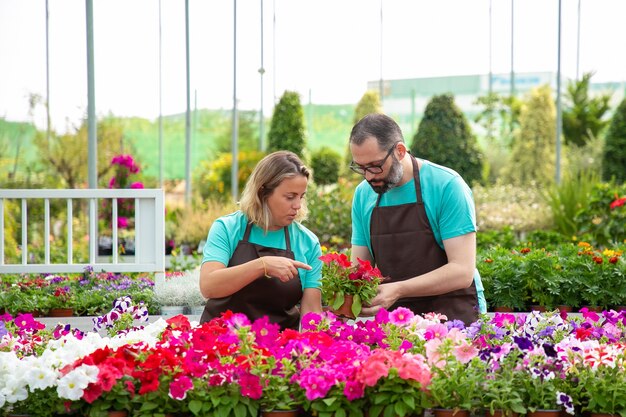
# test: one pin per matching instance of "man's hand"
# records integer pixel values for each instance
(387, 295)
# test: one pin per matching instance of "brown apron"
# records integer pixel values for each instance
(264, 296)
(404, 246)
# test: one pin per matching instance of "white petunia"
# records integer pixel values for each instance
(40, 377)
(72, 385)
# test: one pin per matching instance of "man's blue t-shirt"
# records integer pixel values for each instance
(448, 202)
(227, 231)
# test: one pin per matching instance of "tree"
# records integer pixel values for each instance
(325, 164)
(368, 104)
(287, 126)
(248, 133)
(533, 157)
(67, 155)
(583, 115)
(444, 137)
(614, 158)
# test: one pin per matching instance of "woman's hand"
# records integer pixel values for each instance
(282, 268)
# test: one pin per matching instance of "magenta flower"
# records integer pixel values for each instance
(179, 387)
(137, 185)
(401, 316)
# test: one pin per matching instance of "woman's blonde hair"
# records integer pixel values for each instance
(268, 174)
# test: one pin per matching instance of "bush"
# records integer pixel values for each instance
(287, 126)
(212, 178)
(330, 213)
(614, 160)
(604, 217)
(444, 137)
(533, 157)
(325, 164)
(505, 205)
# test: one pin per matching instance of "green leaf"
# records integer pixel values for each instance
(338, 301)
(356, 305)
(240, 410)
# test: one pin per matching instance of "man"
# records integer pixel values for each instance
(416, 221)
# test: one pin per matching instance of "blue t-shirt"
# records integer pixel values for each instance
(227, 231)
(448, 202)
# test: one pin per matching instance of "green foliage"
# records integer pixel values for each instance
(330, 213)
(369, 103)
(614, 159)
(567, 199)
(533, 157)
(604, 225)
(287, 127)
(504, 285)
(66, 155)
(499, 118)
(212, 179)
(247, 130)
(505, 205)
(325, 164)
(582, 114)
(444, 137)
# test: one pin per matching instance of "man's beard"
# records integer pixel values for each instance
(391, 180)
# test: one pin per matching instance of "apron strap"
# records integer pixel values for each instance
(246, 236)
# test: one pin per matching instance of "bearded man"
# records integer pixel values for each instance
(415, 220)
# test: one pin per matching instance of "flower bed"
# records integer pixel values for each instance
(576, 275)
(87, 294)
(395, 364)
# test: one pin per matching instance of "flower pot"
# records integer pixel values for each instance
(61, 312)
(279, 413)
(503, 309)
(544, 413)
(539, 308)
(450, 412)
(196, 310)
(564, 308)
(501, 413)
(170, 311)
(118, 413)
(345, 310)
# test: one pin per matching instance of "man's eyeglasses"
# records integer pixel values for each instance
(372, 169)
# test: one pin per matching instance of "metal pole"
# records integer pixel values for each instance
(91, 102)
(48, 128)
(558, 102)
(274, 52)
(261, 71)
(187, 116)
(234, 174)
(512, 45)
(380, 83)
(578, 44)
(490, 50)
(160, 103)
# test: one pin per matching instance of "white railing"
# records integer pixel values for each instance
(149, 230)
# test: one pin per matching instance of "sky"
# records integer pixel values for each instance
(327, 50)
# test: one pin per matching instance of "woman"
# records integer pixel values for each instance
(260, 260)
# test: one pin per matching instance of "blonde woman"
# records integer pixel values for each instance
(260, 260)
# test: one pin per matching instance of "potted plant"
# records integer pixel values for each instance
(502, 385)
(505, 287)
(341, 282)
(542, 384)
(172, 294)
(395, 383)
(455, 388)
(603, 388)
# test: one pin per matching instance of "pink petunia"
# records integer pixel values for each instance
(179, 387)
(465, 352)
(401, 316)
